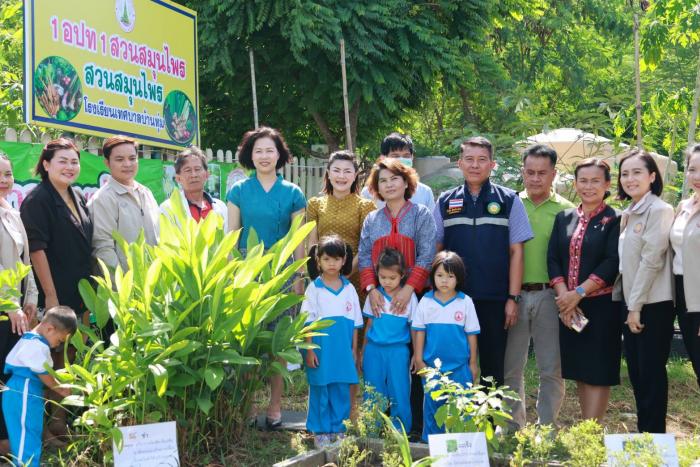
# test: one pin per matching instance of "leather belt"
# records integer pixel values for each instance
(534, 287)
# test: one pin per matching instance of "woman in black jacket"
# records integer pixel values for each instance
(583, 263)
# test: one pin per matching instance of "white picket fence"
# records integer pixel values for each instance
(306, 172)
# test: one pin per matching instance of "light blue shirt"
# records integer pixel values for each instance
(342, 307)
(389, 328)
(423, 195)
(446, 327)
(268, 212)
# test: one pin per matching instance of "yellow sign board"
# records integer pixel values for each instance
(106, 67)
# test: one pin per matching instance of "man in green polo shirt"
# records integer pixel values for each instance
(539, 316)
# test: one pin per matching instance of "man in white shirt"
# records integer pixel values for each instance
(401, 147)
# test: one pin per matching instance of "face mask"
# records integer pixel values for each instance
(407, 161)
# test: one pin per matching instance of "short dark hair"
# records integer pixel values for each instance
(245, 150)
(192, 151)
(117, 140)
(477, 141)
(391, 258)
(340, 156)
(397, 168)
(453, 264)
(594, 162)
(540, 150)
(657, 186)
(333, 246)
(49, 151)
(396, 142)
(62, 317)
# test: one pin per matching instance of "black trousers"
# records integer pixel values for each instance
(689, 324)
(416, 402)
(492, 338)
(646, 354)
(7, 340)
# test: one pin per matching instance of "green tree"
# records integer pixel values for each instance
(11, 39)
(395, 49)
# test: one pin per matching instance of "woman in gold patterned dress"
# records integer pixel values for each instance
(340, 210)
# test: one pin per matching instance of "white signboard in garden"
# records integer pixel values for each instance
(664, 444)
(148, 445)
(459, 449)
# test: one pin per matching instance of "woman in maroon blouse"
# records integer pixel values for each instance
(583, 264)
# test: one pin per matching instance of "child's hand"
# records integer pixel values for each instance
(311, 359)
(358, 362)
(474, 368)
(417, 364)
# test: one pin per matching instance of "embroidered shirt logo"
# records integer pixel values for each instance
(493, 208)
(455, 205)
(348, 306)
(459, 316)
(638, 227)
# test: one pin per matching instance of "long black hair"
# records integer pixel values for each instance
(333, 246)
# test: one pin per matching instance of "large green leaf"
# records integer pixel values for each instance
(160, 374)
(214, 376)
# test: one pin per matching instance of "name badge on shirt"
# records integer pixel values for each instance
(455, 205)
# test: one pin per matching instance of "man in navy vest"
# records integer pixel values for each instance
(486, 224)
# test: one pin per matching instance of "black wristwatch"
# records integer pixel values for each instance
(515, 298)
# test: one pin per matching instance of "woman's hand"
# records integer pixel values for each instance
(18, 321)
(400, 301)
(376, 301)
(568, 301)
(567, 317)
(634, 321)
(30, 310)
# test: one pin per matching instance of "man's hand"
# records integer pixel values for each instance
(511, 313)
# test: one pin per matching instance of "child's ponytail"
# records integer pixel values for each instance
(312, 264)
(334, 247)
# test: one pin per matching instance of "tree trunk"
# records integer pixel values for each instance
(328, 136)
(466, 112)
(692, 126)
(638, 83)
(354, 118)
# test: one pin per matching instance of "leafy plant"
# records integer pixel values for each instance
(584, 444)
(191, 341)
(638, 450)
(10, 280)
(688, 451)
(468, 409)
(536, 443)
(396, 440)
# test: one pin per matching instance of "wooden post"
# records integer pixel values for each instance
(348, 134)
(252, 83)
(638, 82)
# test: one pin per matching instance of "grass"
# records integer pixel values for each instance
(683, 410)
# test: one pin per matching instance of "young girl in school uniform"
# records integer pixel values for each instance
(445, 328)
(330, 369)
(385, 355)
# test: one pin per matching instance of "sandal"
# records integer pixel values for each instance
(273, 423)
